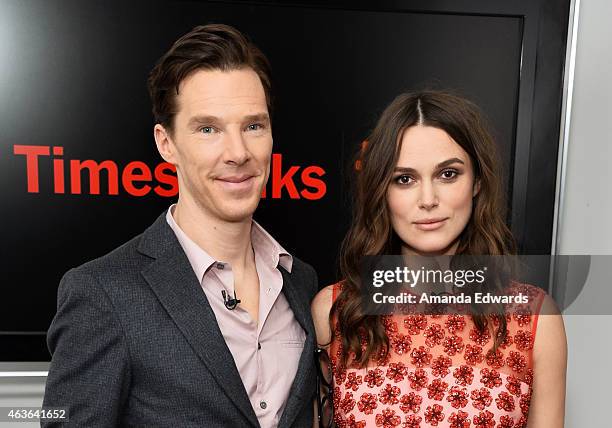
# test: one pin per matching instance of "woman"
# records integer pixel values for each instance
(428, 184)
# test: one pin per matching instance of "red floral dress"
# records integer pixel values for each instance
(440, 372)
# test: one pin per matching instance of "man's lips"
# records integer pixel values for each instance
(237, 183)
(236, 178)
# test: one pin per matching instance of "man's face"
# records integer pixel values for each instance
(221, 143)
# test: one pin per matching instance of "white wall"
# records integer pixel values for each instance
(586, 213)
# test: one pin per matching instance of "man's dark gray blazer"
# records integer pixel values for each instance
(136, 343)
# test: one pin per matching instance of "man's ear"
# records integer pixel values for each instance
(476, 188)
(165, 144)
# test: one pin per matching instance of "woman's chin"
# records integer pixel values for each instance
(428, 249)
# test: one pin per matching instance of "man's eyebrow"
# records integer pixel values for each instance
(440, 165)
(199, 120)
(209, 119)
(258, 117)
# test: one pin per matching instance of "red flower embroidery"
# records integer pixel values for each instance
(464, 375)
(523, 319)
(418, 379)
(434, 415)
(453, 345)
(484, 420)
(506, 342)
(481, 398)
(513, 385)
(459, 420)
(336, 396)
(367, 403)
(473, 355)
(480, 337)
(352, 423)
(523, 340)
(524, 403)
(506, 422)
(396, 371)
(436, 389)
(353, 381)
(415, 323)
(348, 403)
(374, 377)
(433, 335)
(412, 421)
(455, 323)
(420, 357)
(495, 359)
(490, 378)
(401, 343)
(440, 366)
(390, 325)
(388, 419)
(388, 395)
(516, 361)
(411, 402)
(529, 377)
(522, 423)
(458, 397)
(504, 401)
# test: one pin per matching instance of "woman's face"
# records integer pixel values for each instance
(430, 195)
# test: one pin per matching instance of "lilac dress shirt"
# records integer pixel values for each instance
(266, 354)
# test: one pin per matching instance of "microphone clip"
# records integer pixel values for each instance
(230, 303)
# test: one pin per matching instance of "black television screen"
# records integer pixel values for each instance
(81, 174)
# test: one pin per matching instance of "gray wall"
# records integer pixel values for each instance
(585, 226)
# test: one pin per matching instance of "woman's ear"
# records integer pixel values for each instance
(476, 188)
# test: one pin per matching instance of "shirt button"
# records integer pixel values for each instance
(220, 266)
(263, 404)
(258, 345)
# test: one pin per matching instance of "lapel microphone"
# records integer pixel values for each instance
(230, 303)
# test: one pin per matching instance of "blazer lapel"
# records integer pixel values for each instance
(176, 286)
(302, 387)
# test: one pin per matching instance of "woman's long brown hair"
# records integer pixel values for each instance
(371, 232)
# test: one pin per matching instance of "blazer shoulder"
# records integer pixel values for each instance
(121, 258)
(306, 271)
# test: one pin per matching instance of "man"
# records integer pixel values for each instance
(202, 320)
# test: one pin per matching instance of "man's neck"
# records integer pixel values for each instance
(225, 241)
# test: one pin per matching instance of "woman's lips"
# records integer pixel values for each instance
(431, 226)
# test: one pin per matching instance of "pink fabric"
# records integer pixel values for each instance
(440, 371)
(267, 371)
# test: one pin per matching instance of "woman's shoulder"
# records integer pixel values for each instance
(533, 296)
(320, 308)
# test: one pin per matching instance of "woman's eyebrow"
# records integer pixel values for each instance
(440, 165)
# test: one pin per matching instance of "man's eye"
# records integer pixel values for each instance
(207, 129)
(255, 127)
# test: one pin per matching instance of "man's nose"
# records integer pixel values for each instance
(236, 151)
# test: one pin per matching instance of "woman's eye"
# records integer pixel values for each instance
(403, 179)
(449, 174)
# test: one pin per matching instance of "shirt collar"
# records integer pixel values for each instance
(266, 247)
